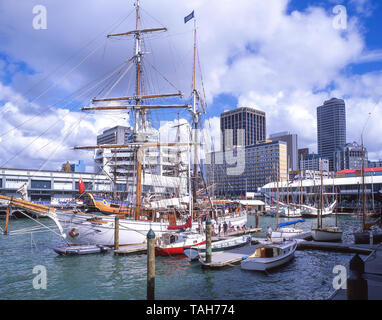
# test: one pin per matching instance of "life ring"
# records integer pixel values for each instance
(73, 234)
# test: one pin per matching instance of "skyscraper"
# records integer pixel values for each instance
(331, 128)
(250, 120)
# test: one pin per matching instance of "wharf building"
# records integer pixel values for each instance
(244, 169)
(331, 128)
(346, 185)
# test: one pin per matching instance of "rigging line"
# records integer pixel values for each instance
(164, 77)
(119, 79)
(51, 107)
(62, 141)
(66, 74)
(106, 30)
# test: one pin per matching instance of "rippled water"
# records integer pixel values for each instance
(104, 276)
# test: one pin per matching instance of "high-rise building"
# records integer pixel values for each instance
(116, 135)
(250, 121)
(245, 169)
(350, 157)
(291, 140)
(331, 128)
(314, 162)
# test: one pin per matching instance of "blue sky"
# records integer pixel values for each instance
(283, 57)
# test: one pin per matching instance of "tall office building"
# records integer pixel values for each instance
(331, 128)
(291, 140)
(250, 120)
(350, 157)
(245, 169)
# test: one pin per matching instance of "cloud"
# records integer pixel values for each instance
(285, 64)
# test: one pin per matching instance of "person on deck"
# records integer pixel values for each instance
(269, 233)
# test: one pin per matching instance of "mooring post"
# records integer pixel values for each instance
(257, 219)
(116, 232)
(150, 265)
(208, 240)
(357, 288)
(7, 220)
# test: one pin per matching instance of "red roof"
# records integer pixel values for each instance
(359, 170)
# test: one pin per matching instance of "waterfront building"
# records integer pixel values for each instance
(314, 162)
(160, 162)
(291, 140)
(346, 185)
(374, 164)
(58, 187)
(244, 169)
(250, 120)
(350, 157)
(331, 128)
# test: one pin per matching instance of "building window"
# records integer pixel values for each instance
(39, 184)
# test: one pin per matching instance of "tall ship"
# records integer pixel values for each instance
(143, 211)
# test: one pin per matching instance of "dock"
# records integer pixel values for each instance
(131, 249)
(372, 274)
(336, 246)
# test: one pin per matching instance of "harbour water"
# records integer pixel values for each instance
(105, 276)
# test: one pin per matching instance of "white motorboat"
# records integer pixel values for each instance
(235, 242)
(269, 256)
(327, 234)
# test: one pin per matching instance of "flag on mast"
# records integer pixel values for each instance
(189, 17)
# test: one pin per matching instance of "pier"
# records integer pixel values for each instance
(372, 277)
(131, 249)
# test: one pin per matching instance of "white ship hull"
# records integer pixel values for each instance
(86, 229)
(286, 233)
(327, 234)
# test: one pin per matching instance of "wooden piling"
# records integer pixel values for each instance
(357, 288)
(116, 233)
(7, 220)
(208, 241)
(150, 265)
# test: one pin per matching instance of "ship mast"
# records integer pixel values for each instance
(195, 118)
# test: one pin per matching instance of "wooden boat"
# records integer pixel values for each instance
(328, 233)
(235, 242)
(80, 250)
(366, 235)
(105, 205)
(173, 243)
(269, 256)
(285, 232)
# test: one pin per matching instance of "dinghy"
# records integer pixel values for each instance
(269, 256)
(80, 250)
(193, 253)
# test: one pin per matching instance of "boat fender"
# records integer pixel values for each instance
(244, 257)
(73, 234)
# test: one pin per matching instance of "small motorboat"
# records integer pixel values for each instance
(269, 256)
(235, 242)
(80, 250)
(174, 243)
